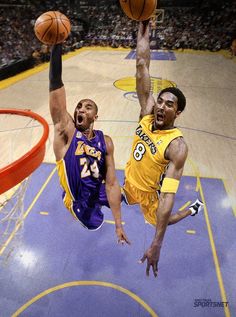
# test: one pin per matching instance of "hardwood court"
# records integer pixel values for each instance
(208, 123)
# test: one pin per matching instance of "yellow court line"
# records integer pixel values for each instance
(196, 172)
(44, 213)
(215, 256)
(228, 194)
(197, 185)
(111, 222)
(212, 243)
(27, 73)
(191, 231)
(17, 227)
(86, 283)
(185, 205)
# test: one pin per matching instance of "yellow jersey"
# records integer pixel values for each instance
(147, 161)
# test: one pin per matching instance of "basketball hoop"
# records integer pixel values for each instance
(18, 170)
(157, 18)
(18, 130)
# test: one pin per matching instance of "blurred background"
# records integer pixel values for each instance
(179, 24)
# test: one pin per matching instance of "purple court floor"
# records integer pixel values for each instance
(156, 55)
(61, 269)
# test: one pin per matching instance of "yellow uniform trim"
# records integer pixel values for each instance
(68, 198)
(170, 185)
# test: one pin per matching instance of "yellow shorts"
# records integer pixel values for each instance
(148, 201)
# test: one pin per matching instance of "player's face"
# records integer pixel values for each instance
(85, 114)
(165, 111)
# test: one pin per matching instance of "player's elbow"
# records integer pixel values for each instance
(111, 185)
(141, 69)
(140, 63)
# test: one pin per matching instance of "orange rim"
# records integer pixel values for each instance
(15, 172)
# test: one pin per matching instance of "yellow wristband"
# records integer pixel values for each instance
(169, 185)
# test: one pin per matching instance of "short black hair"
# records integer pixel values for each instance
(178, 93)
(89, 101)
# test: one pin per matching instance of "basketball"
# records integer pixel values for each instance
(52, 27)
(139, 10)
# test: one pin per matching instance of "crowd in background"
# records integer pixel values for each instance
(202, 28)
(181, 28)
(18, 41)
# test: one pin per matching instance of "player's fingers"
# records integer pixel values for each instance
(126, 239)
(147, 269)
(123, 239)
(155, 270)
(120, 240)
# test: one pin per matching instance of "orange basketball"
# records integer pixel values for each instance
(52, 27)
(139, 10)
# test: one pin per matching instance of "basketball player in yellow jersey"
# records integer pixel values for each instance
(158, 148)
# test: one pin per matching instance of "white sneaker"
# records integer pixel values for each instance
(196, 207)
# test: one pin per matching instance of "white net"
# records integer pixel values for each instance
(12, 215)
(18, 134)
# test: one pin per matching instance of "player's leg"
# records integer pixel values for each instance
(129, 194)
(89, 215)
(149, 205)
(192, 210)
(148, 201)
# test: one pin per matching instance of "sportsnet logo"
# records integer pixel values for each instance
(209, 303)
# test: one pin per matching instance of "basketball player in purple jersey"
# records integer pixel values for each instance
(84, 156)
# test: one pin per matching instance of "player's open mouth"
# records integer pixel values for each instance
(160, 117)
(80, 119)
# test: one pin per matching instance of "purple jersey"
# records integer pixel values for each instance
(82, 172)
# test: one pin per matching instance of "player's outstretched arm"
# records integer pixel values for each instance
(143, 81)
(177, 153)
(113, 191)
(63, 123)
(57, 93)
